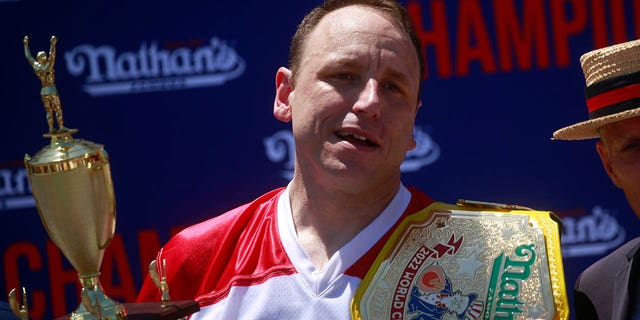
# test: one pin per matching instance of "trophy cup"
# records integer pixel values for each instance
(71, 183)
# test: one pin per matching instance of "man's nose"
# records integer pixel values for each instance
(368, 102)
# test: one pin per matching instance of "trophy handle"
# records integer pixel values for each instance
(22, 312)
(160, 280)
(103, 164)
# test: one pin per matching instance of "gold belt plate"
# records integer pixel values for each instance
(467, 262)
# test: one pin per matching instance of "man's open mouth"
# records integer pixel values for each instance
(356, 139)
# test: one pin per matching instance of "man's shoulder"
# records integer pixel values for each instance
(622, 255)
(205, 259)
(611, 264)
(594, 288)
(419, 199)
(215, 229)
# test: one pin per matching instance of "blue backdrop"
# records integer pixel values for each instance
(181, 95)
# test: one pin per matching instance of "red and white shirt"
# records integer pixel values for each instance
(249, 264)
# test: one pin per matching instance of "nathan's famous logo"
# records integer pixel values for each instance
(280, 148)
(507, 276)
(15, 190)
(427, 292)
(151, 68)
(591, 234)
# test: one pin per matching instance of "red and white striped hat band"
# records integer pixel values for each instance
(613, 89)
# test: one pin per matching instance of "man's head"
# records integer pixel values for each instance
(619, 150)
(395, 11)
(354, 99)
(613, 100)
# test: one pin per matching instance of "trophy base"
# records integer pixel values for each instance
(60, 133)
(155, 311)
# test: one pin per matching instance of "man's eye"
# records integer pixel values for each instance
(631, 146)
(344, 76)
(393, 87)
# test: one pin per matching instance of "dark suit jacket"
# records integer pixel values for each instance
(5, 312)
(603, 290)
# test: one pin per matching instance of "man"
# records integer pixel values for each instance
(609, 288)
(352, 94)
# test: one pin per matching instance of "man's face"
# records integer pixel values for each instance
(619, 151)
(354, 100)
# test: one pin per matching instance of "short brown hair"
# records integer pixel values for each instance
(391, 8)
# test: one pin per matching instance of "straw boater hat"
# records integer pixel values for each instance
(613, 89)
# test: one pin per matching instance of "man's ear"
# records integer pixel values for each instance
(413, 143)
(284, 91)
(606, 162)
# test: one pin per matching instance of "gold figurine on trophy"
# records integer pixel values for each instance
(43, 67)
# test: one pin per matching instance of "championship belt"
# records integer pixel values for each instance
(468, 261)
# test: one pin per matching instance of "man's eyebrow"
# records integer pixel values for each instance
(399, 76)
(396, 74)
(344, 60)
(629, 139)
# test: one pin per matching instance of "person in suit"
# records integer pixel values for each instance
(5, 311)
(608, 289)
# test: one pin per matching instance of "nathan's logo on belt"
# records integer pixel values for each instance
(466, 263)
(506, 278)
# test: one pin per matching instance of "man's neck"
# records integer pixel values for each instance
(326, 221)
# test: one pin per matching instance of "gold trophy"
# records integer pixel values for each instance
(71, 183)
